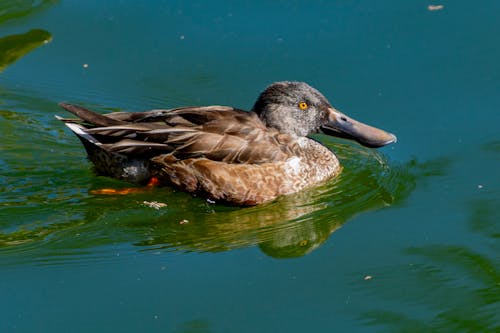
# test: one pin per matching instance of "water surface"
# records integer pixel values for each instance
(406, 239)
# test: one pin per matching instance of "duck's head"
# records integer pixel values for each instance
(297, 108)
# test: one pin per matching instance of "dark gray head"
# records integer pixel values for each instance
(297, 108)
(292, 107)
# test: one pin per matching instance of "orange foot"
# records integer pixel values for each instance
(152, 183)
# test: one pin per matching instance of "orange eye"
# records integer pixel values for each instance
(303, 105)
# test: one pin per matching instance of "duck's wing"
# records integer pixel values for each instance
(218, 133)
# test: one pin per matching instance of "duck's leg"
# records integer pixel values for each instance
(153, 182)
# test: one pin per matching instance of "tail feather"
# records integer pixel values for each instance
(121, 162)
(81, 133)
(90, 116)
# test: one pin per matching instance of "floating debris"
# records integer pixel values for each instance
(435, 7)
(85, 65)
(368, 277)
(154, 204)
(183, 221)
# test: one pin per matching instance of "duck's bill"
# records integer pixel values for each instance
(345, 127)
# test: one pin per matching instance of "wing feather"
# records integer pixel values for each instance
(217, 133)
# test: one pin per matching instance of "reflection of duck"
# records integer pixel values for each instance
(221, 152)
(292, 226)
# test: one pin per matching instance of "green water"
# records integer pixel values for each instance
(407, 239)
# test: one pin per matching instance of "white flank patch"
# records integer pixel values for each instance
(303, 141)
(293, 165)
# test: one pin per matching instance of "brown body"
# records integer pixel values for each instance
(249, 183)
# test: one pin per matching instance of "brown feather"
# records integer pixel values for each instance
(216, 133)
(89, 116)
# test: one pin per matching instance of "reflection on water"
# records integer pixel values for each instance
(78, 224)
(291, 226)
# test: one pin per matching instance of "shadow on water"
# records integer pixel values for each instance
(450, 288)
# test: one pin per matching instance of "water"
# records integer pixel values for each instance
(406, 239)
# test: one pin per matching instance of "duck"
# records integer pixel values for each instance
(222, 153)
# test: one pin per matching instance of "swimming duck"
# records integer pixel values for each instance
(223, 153)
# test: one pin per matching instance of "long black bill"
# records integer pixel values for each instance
(342, 126)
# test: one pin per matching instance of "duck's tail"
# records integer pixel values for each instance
(89, 116)
(79, 130)
(107, 163)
